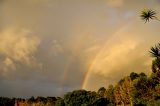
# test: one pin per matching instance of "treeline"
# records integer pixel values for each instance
(39, 101)
(133, 90)
(4, 101)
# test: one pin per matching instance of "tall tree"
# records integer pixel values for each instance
(122, 92)
(155, 53)
(144, 91)
(110, 94)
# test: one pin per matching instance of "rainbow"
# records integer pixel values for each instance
(93, 63)
(88, 72)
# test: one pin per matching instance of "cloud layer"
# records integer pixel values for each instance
(17, 46)
(46, 44)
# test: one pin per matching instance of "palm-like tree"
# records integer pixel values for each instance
(155, 52)
(148, 14)
(156, 65)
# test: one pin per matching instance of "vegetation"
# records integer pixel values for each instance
(7, 101)
(148, 14)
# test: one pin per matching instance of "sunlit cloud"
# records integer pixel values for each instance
(115, 57)
(18, 45)
(9, 64)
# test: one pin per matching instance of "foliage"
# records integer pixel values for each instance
(110, 94)
(83, 98)
(100, 102)
(4, 101)
(60, 102)
(79, 97)
(148, 14)
(133, 75)
(122, 91)
(101, 91)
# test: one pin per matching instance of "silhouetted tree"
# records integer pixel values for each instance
(31, 100)
(100, 102)
(148, 14)
(4, 101)
(60, 102)
(79, 97)
(101, 91)
(133, 75)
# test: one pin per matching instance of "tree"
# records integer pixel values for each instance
(101, 91)
(100, 102)
(31, 100)
(122, 92)
(133, 75)
(60, 102)
(148, 14)
(154, 79)
(41, 100)
(4, 101)
(79, 97)
(157, 88)
(143, 92)
(155, 53)
(110, 95)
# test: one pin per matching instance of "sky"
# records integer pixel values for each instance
(50, 47)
